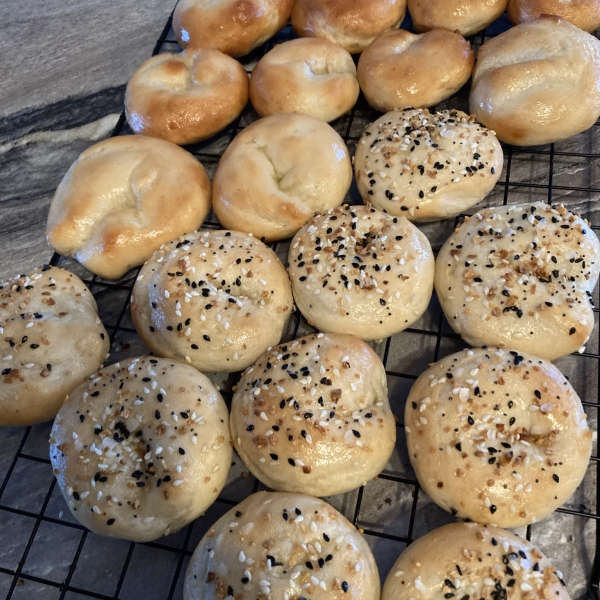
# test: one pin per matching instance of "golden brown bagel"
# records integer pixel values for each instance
(187, 97)
(352, 24)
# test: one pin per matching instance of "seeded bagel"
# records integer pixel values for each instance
(204, 299)
(275, 545)
(466, 559)
(51, 339)
(357, 270)
(506, 426)
(426, 166)
(521, 277)
(142, 449)
(313, 415)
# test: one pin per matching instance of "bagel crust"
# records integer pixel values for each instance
(520, 277)
(351, 24)
(123, 198)
(187, 97)
(426, 166)
(313, 415)
(310, 76)
(466, 16)
(467, 559)
(506, 426)
(277, 173)
(538, 82)
(584, 14)
(275, 545)
(206, 297)
(142, 449)
(233, 27)
(405, 69)
(51, 339)
(357, 270)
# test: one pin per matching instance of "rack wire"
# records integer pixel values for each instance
(53, 556)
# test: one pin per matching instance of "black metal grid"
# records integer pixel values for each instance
(70, 582)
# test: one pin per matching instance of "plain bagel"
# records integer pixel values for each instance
(352, 24)
(538, 82)
(232, 26)
(584, 14)
(466, 16)
(110, 212)
(277, 173)
(312, 76)
(405, 69)
(187, 97)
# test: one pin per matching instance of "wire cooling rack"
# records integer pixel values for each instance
(49, 555)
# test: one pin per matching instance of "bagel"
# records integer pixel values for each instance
(234, 27)
(521, 277)
(110, 212)
(466, 559)
(206, 297)
(187, 97)
(310, 76)
(405, 69)
(275, 545)
(351, 24)
(357, 270)
(142, 449)
(466, 16)
(277, 173)
(506, 426)
(426, 166)
(538, 82)
(584, 14)
(52, 339)
(313, 415)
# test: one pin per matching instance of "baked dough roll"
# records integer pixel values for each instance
(538, 82)
(142, 449)
(352, 24)
(313, 415)
(187, 97)
(232, 26)
(123, 198)
(507, 427)
(277, 173)
(426, 166)
(584, 14)
(405, 69)
(206, 297)
(466, 16)
(467, 559)
(279, 546)
(356, 270)
(312, 76)
(521, 277)
(51, 339)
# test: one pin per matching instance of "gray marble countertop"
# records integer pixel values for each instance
(64, 65)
